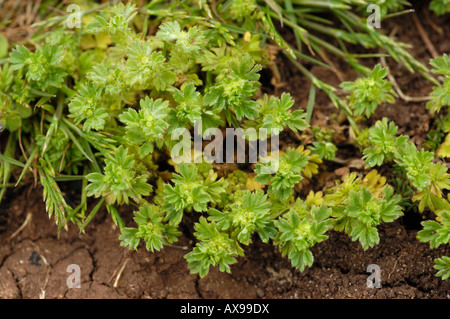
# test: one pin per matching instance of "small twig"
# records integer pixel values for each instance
(63, 157)
(395, 265)
(213, 9)
(47, 277)
(22, 227)
(28, 13)
(341, 161)
(21, 145)
(35, 10)
(116, 282)
(432, 24)
(310, 49)
(423, 34)
(333, 67)
(117, 269)
(178, 247)
(399, 91)
(58, 11)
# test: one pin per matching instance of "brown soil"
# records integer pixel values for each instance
(34, 263)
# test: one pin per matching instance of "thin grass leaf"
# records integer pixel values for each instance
(92, 214)
(115, 216)
(10, 160)
(28, 164)
(77, 143)
(311, 103)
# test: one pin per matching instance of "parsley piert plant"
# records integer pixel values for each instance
(366, 93)
(99, 106)
(428, 181)
(105, 115)
(433, 178)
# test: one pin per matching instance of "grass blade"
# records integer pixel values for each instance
(92, 214)
(311, 103)
(28, 164)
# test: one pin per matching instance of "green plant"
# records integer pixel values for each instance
(43, 67)
(191, 191)
(441, 94)
(366, 93)
(122, 179)
(383, 143)
(428, 178)
(443, 126)
(440, 6)
(151, 229)
(249, 213)
(147, 126)
(435, 176)
(214, 248)
(438, 233)
(277, 115)
(428, 181)
(386, 6)
(282, 175)
(299, 230)
(102, 104)
(316, 35)
(364, 212)
(360, 205)
(323, 144)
